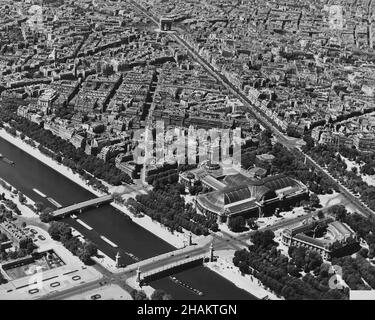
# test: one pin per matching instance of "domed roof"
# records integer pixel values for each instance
(240, 193)
(213, 201)
(244, 188)
(217, 200)
(280, 182)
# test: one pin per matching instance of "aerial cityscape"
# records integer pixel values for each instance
(187, 150)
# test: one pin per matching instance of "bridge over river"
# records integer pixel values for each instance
(78, 207)
(167, 263)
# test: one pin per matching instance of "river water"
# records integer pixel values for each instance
(29, 173)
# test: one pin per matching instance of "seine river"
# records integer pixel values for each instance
(29, 173)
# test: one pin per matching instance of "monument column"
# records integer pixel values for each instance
(190, 239)
(118, 260)
(211, 252)
(138, 275)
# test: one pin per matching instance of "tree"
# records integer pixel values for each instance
(298, 256)
(138, 295)
(236, 224)
(85, 257)
(3, 237)
(117, 198)
(312, 260)
(363, 252)
(54, 231)
(13, 255)
(21, 253)
(320, 214)
(336, 245)
(309, 142)
(72, 244)
(368, 169)
(305, 204)
(214, 227)
(91, 249)
(57, 230)
(47, 210)
(21, 197)
(167, 297)
(30, 247)
(39, 206)
(45, 216)
(339, 211)
(251, 222)
(265, 138)
(263, 238)
(314, 200)
(158, 295)
(293, 271)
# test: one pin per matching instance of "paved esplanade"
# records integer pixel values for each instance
(79, 206)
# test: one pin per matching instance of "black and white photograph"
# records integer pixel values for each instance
(213, 154)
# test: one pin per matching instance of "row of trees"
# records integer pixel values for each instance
(5, 185)
(168, 174)
(6, 213)
(60, 231)
(62, 150)
(160, 180)
(336, 165)
(11, 205)
(263, 239)
(168, 207)
(156, 295)
(239, 224)
(17, 254)
(287, 163)
(192, 215)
